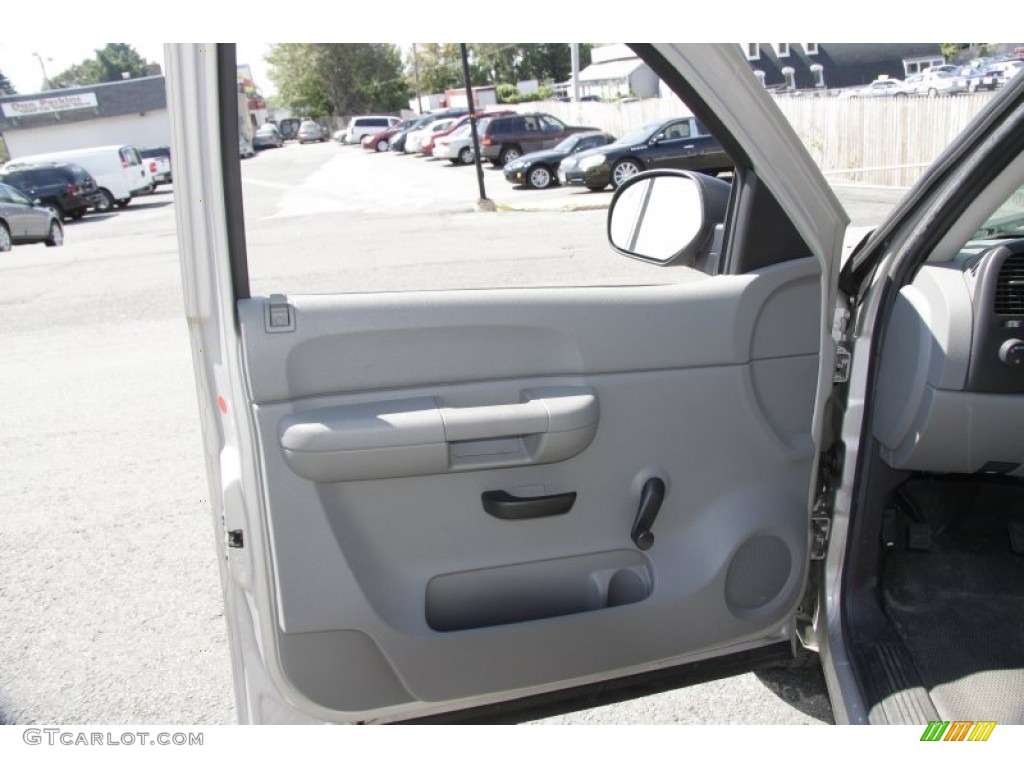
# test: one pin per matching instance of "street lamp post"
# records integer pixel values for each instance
(47, 85)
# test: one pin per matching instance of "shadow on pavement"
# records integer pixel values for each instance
(802, 688)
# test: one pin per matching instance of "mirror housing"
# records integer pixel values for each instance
(669, 217)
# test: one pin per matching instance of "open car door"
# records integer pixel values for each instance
(450, 504)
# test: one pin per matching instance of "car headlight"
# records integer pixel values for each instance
(586, 163)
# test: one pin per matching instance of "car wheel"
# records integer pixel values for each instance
(56, 237)
(383, 145)
(508, 154)
(539, 177)
(973, 87)
(58, 212)
(466, 155)
(5, 237)
(624, 169)
(106, 201)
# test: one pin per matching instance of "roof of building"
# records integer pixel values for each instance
(610, 70)
(843, 64)
(90, 102)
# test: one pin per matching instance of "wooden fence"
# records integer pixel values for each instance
(881, 141)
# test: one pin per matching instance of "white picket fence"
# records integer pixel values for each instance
(882, 141)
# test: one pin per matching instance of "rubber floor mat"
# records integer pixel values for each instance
(959, 607)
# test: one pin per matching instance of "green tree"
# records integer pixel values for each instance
(109, 64)
(439, 65)
(338, 78)
(6, 88)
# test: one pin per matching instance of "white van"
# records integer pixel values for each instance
(366, 125)
(119, 171)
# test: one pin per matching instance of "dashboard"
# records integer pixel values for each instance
(951, 380)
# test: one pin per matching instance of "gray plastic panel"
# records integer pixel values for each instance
(443, 337)
(679, 398)
(923, 418)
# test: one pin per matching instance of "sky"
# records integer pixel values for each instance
(22, 68)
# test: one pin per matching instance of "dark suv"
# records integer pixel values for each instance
(506, 138)
(67, 188)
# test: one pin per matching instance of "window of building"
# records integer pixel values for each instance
(753, 51)
(782, 49)
(811, 48)
(818, 73)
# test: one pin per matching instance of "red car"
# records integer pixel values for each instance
(381, 142)
(428, 148)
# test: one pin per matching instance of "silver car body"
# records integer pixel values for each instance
(363, 583)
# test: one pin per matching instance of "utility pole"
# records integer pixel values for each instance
(416, 78)
(482, 203)
(47, 85)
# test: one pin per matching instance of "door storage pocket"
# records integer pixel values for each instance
(538, 590)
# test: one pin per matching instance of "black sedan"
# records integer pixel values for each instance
(680, 143)
(25, 221)
(538, 169)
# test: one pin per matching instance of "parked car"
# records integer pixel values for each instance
(512, 136)
(365, 125)
(681, 143)
(23, 220)
(159, 159)
(267, 137)
(428, 146)
(883, 86)
(415, 139)
(457, 147)
(1008, 68)
(399, 139)
(289, 128)
(475, 504)
(116, 168)
(67, 188)
(310, 131)
(936, 82)
(381, 141)
(981, 79)
(540, 169)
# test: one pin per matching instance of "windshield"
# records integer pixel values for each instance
(1007, 221)
(640, 135)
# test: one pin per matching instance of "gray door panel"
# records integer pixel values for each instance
(395, 564)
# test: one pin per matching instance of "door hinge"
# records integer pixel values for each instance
(278, 314)
(821, 525)
(840, 320)
(841, 374)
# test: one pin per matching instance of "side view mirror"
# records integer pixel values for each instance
(668, 217)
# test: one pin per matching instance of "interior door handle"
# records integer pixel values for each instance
(651, 498)
(505, 506)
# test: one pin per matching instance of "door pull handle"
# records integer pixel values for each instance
(505, 506)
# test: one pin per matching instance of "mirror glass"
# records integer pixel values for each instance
(657, 218)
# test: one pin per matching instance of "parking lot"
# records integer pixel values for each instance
(108, 584)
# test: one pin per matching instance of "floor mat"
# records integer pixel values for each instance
(959, 607)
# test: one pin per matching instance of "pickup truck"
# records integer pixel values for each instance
(157, 160)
